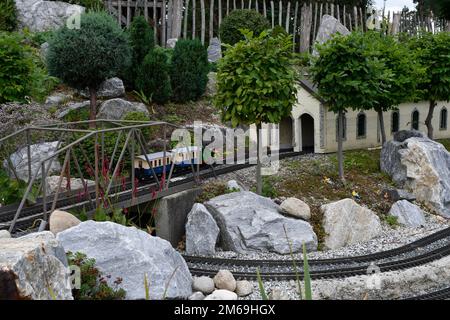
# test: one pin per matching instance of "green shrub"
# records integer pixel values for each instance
(153, 76)
(189, 71)
(94, 285)
(140, 116)
(87, 56)
(42, 84)
(241, 19)
(8, 15)
(16, 66)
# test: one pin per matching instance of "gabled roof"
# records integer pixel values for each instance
(311, 88)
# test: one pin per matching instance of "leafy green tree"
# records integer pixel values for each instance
(401, 63)
(142, 41)
(348, 76)
(433, 54)
(8, 15)
(87, 56)
(256, 83)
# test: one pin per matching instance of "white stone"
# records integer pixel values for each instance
(214, 50)
(117, 109)
(38, 263)
(328, 27)
(243, 288)
(61, 220)
(201, 232)
(408, 214)
(196, 296)
(224, 280)
(130, 253)
(203, 284)
(296, 208)
(222, 295)
(345, 222)
(278, 294)
(75, 184)
(233, 185)
(4, 234)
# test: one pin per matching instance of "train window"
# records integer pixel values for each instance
(140, 164)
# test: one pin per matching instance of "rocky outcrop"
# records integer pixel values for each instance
(296, 208)
(345, 222)
(38, 16)
(109, 89)
(117, 109)
(61, 220)
(387, 285)
(75, 184)
(130, 254)
(57, 100)
(408, 214)
(249, 222)
(39, 152)
(214, 50)
(201, 232)
(34, 267)
(422, 166)
(329, 26)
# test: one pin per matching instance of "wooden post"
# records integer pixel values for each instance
(363, 25)
(355, 13)
(146, 10)
(321, 14)
(242, 4)
(155, 22)
(280, 13)
(234, 5)
(305, 35)
(128, 13)
(249, 4)
(186, 11)
(256, 6)
(273, 13)
(332, 9)
(163, 22)
(338, 13)
(169, 20)
(344, 16)
(211, 19)
(315, 21)
(220, 13)
(119, 11)
(350, 22)
(294, 31)
(264, 8)
(193, 19)
(202, 8)
(228, 7)
(288, 17)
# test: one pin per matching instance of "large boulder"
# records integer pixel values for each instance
(38, 16)
(296, 208)
(408, 214)
(38, 153)
(249, 222)
(130, 254)
(345, 222)
(329, 26)
(61, 220)
(57, 99)
(33, 267)
(117, 109)
(201, 232)
(214, 50)
(73, 107)
(421, 166)
(109, 89)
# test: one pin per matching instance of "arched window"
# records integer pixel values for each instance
(361, 126)
(415, 120)
(443, 119)
(344, 131)
(395, 121)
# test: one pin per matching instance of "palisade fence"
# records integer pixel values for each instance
(200, 19)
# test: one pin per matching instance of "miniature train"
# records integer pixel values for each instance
(181, 158)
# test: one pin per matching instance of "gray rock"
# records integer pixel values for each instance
(109, 89)
(39, 152)
(196, 296)
(329, 26)
(56, 100)
(38, 16)
(402, 135)
(278, 294)
(214, 50)
(345, 222)
(249, 222)
(171, 43)
(243, 288)
(31, 266)
(398, 194)
(203, 284)
(211, 86)
(233, 185)
(222, 295)
(201, 232)
(75, 184)
(61, 220)
(421, 166)
(116, 109)
(224, 280)
(74, 106)
(4, 234)
(296, 208)
(408, 214)
(43, 51)
(131, 254)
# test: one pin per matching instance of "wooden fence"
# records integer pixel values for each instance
(301, 18)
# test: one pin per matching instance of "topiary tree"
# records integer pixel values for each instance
(230, 27)
(16, 67)
(189, 70)
(349, 76)
(142, 41)
(433, 52)
(8, 15)
(87, 56)
(153, 76)
(256, 83)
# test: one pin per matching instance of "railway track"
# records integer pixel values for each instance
(443, 294)
(422, 251)
(72, 201)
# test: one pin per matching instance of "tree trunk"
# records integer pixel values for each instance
(258, 162)
(93, 107)
(429, 118)
(340, 151)
(382, 129)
